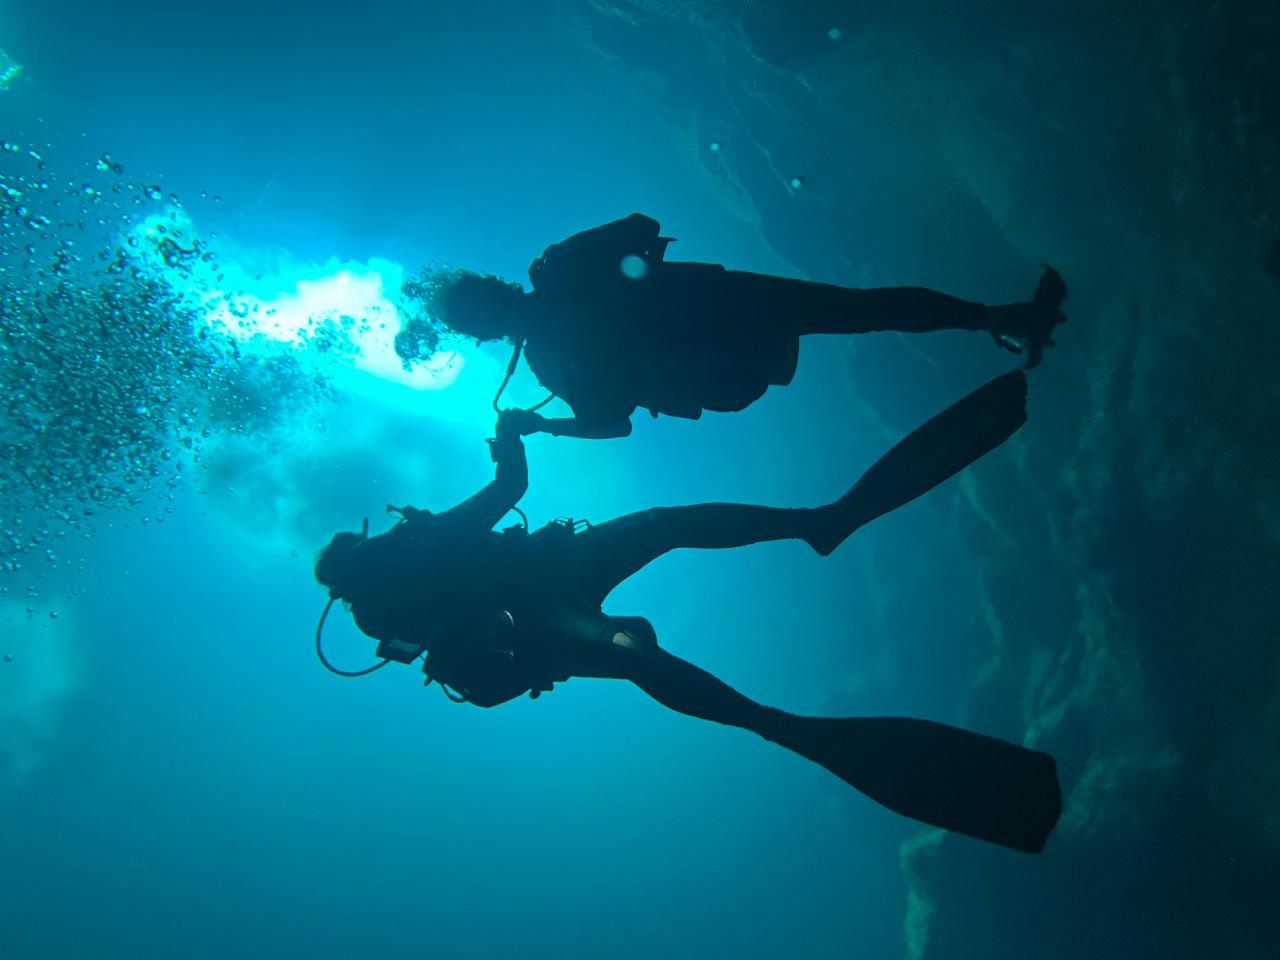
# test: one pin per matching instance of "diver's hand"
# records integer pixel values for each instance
(507, 433)
(519, 423)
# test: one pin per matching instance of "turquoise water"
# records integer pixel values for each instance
(249, 188)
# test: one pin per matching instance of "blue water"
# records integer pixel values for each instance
(180, 778)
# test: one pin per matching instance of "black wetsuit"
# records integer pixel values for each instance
(449, 573)
(438, 580)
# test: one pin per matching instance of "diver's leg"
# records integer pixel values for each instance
(610, 552)
(801, 307)
(942, 775)
(690, 690)
(924, 458)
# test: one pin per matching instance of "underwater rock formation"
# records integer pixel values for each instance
(1128, 625)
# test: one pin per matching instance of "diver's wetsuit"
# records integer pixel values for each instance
(437, 580)
(451, 572)
(442, 578)
(684, 337)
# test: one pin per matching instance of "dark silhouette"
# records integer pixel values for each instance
(611, 326)
(501, 614)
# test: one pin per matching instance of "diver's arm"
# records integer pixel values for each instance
(597, 395)
(586, 429)
(510, 481)
(615, 423)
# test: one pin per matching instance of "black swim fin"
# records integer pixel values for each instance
(927, 456)
(1047, 304)
(944, 776)
(1028, 327)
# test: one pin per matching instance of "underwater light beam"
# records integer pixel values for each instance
(342, 316)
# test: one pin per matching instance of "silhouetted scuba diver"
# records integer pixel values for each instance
(611, 326)
(496, 615)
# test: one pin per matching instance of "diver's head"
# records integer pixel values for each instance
(369, 577)
(340, 568)
(484, 307)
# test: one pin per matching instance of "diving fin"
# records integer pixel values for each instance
(1047, 307)
(941, 775)
(1028, 327)
(927, 456)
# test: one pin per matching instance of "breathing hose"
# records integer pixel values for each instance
(511, 369)
(325, 660)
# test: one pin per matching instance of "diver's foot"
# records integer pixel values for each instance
(831, 525)
(1028, 327)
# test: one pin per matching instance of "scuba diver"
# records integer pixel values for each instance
(611, 326)
(496, 615)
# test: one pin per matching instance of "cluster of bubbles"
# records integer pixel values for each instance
(422, 329)
(113, 384)
(9, 70)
